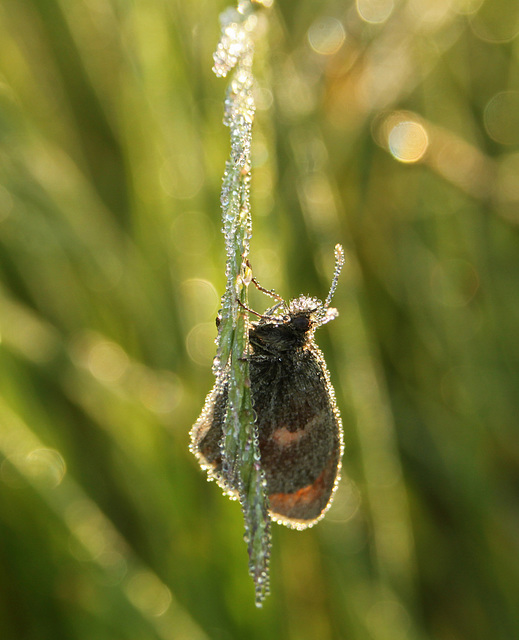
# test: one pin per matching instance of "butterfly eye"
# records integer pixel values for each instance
(301, 323)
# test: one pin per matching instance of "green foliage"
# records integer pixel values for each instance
(388, 127)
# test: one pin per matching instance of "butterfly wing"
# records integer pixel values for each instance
(300, 434)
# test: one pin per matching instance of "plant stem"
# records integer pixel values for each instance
(240, 449)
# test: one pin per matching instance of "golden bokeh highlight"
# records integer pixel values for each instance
(326, 36)
(375, 11)
(159, 391)
(107, 361)
(200, 343)
(408, 141)
(388, 619)
(146, 592)
(46, 466)
(403, 134)
(200, 299)
(42, 466)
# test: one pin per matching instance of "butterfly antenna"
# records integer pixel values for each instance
(339, 263)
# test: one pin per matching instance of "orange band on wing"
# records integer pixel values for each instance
(305, 503)
(283, 437)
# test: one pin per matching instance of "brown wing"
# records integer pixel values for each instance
(300, 434)
(206, 434)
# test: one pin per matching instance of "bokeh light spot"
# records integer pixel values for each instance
(107, 361)
(200, 343)
(200, 299)
(114, 565)
(148, 594)
(263, 98)
(408, 141)
(375, 11)
(388, 614)
(502, 117)
(260, 152)
(46, 466)
(326, 36)
(160, 392)
(27, 332)
(86, 525)
(182, 177)
(42, 466)
(454, 282)
(497, 21)
(346, 503)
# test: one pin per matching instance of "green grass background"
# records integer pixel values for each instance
(111, 268)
